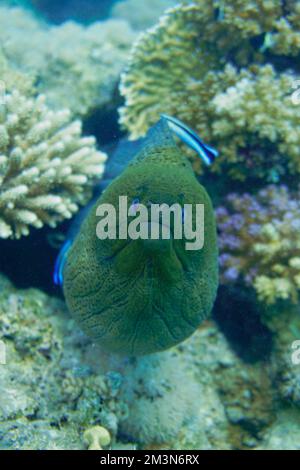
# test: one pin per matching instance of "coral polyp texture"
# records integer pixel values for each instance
(47, 168)
(76, 66)
(259, 242)
(226, 69)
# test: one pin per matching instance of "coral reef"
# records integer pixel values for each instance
(259, 242)
(284, 323)
(284, 434)
(202, 381)
(165, 386)
(46, 167)
(130, 308)
(199, 395)
(244, 390)
(229, 70)
(256, 122)
(225, 69)
(76, 67)
(63, 385)
(52, 386)
(10, 79)
(140, 15)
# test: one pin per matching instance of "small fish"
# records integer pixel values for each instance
(192, 140)
(60, 263)
(141, 296)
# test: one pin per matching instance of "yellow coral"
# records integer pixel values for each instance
(269, 290)
(207, 64)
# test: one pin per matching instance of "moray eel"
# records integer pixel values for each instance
(138, 297)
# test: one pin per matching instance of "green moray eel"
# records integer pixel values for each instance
(137, 297)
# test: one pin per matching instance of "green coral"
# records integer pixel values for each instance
(201, 55)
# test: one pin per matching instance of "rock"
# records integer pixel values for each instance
(199, 395)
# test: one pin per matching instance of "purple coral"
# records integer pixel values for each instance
(250, 226)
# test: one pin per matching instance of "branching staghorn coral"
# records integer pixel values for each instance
(197, 55)
(260, 244)
(46, 168)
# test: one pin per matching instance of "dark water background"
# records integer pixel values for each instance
(58, 11)
(29, 262)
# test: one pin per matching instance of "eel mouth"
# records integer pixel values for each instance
(150, 249)
(151, 228)
(156, 228)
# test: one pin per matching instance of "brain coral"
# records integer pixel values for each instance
(77, 67)
(201, 55)
(259, 242)
(46, 168)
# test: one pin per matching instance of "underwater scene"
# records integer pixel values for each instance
(150, 225)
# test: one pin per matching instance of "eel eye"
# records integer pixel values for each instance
(134, 206)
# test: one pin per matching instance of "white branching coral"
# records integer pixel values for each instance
(46, 168)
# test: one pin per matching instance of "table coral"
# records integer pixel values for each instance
(259, 242)
(47, 169)
(139, 14)
(201, 55)
(76, 66)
